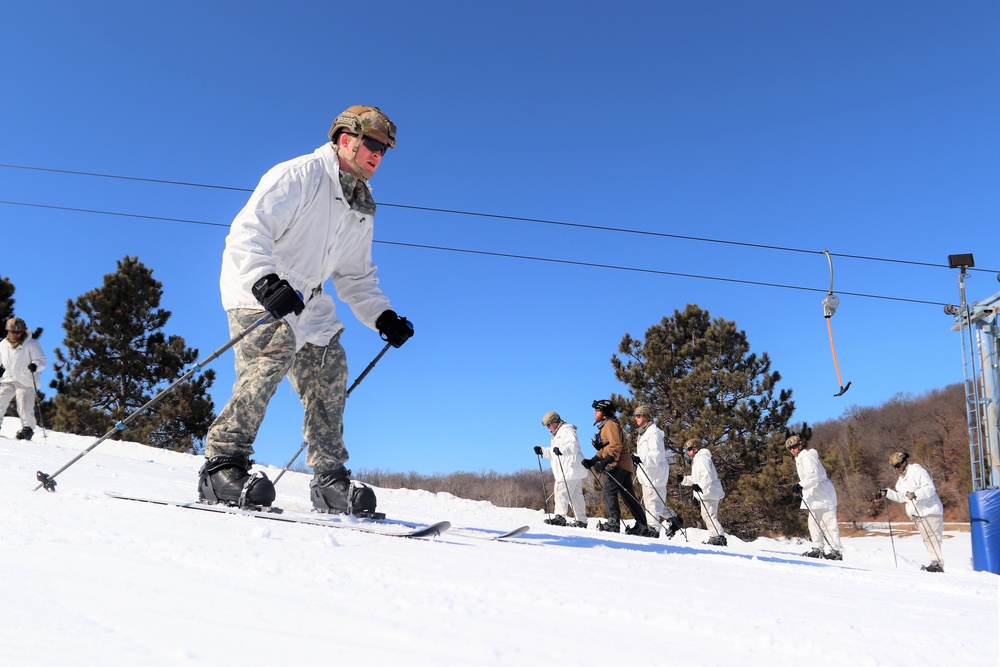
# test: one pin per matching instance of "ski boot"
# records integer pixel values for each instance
(815, 552)
(933, 567)
(642, 530)
(556, 520)
(578, 524)
(608, 527)
(717, 541)
(834, 555)
(334, 492)
(25, 433)
(674, 524)
(227, 480)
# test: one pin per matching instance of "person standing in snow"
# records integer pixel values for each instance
(653, 470)
(614, 459)
(706, 487)
(819, 498)
(309, 220)
(915, 489)
(566, 460)
(21, 365)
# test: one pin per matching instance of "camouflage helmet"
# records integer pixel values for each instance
(897, 458)
(17, 325)
(692, 443)
(605, 406)
(643, 411)
(551, 418)
(794, 441)
(365, 121)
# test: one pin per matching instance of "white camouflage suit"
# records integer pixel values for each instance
(568, 472)
(927, 510)
(703, 474)
(820, 498)
(17, 381)
(655, 471)
(298, 225)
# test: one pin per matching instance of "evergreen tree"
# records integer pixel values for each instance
(117, 358)
(702, 380)
(6, 303)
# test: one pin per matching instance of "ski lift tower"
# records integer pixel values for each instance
(979, 328)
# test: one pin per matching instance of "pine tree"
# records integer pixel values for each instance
(702, 380)
(117, 358)
(6, 303)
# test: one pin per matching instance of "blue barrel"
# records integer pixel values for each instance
(984, 509)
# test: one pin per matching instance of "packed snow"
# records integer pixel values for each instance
(92, 580)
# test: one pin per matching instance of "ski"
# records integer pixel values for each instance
(430, 531)
(475, 533)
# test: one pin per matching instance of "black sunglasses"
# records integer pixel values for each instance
(899, 465)
(374, 145)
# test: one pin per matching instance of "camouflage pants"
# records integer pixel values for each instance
(265, 357)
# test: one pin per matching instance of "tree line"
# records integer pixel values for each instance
(697, 373)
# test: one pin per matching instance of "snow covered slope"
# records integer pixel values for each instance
(90, 580)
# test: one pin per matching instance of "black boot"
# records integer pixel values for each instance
(333, 492)
(25, 433)
(228, 480)
(814, 553)
(834, 555)
(556, 520)
(674, 524)
(717, 540)
(933, 567)
(608, 527)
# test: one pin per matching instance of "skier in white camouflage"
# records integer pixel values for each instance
(706, 489)
(567, 468)
(915, 490)
(21, 362)
(653, 471)
(819, 499)
(309, 220)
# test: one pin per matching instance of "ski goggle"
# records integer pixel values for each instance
(374, 145)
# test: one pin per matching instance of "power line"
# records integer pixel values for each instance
(504, 255)
(513, 218)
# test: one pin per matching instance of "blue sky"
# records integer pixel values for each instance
(868, 129)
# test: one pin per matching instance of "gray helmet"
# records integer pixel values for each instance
(551, 418)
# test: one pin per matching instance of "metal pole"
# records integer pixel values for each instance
(662, 500)
(48, 482)
(885, 502)
(545, 500)
(38, 408)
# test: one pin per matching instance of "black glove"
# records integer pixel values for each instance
(589, 463)
(880, 494)
(32, 366)
(596, 442)
(2, 369)
(394, 329)
(911, 495)
(555, 450)
(679, 477)
(277, 296)
(695, 487)
(636, 460)
(538, 451)
(602, 463)
(797, 490)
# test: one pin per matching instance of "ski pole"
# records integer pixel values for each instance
(357, 381)
(709, 514)
(662, 500)
(38, 409)
(885, 502)
(818, 525)
(48, 482)
(545, 500)
(632, 496)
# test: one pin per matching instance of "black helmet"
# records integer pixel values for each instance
(605, 406)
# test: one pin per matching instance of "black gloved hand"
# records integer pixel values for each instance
(555, 450)
(695, 487)
(797, 490)
(32, 366)
(880, 494)
(596, 442)
(911, 495)
(589, 463)
(394, 329)
(538, 451)
(601, 463)
(277, 296)
(2, 370)
(635, 459)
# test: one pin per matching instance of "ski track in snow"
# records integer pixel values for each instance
(92, 580)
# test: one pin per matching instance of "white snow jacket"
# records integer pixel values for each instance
(703, 474)
(817, 489)
(649, 448)
(15, 361)
(916, 479)
(571, 461)
(298, 225)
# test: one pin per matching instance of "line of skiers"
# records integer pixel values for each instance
(21, 362)
(651, 465)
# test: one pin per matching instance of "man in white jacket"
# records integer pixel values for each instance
(708, 491)
(308, 221)
(915, 489)
(819, 498)
(566, 460)
(653, 471)
(21, 364)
